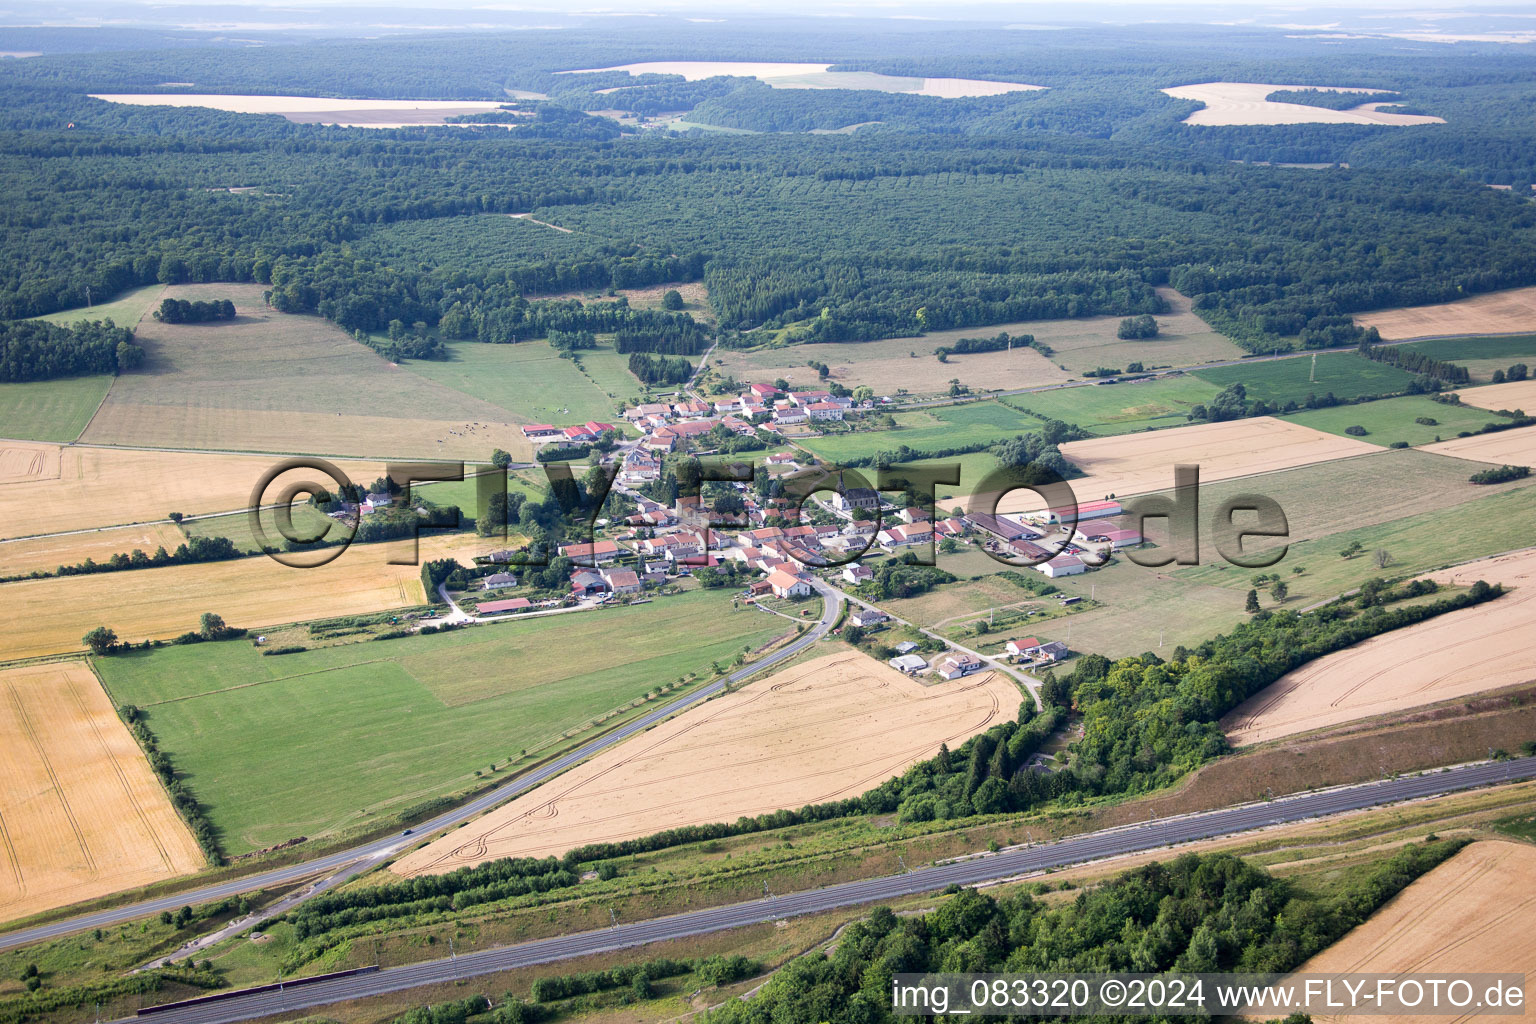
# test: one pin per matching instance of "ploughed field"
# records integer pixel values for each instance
(81, 813)
(824, 730)
(1452, 655)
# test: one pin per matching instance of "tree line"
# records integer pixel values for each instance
(38, 350)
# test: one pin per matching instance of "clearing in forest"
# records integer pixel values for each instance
(824, 730)
(314, 109)
(1472, 913)
(1229, 103)
(81, 813)
(1448, 656)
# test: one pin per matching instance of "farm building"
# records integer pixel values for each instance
(541, 431)
(1085, 511)
(999, 527)
(762, 391)
(591, 554)
(1062, 565)
(950, 528)
(1053, 651)
(905, 536)
(809, 397)
(585, 582)
(1115, 536)
(516, 604)
(908, 663)
(622, 581)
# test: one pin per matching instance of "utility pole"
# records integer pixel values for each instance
(904, 868)
(1312, 377)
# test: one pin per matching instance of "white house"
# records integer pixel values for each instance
(1062, 565)
(957, 665)
(867, 617)
(784, 584)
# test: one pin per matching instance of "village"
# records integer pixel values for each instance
(779, 551)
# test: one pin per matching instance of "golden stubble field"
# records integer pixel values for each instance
(1448, 656)
(314, 109)
(1502, 312)
(49, 616)
(81, 813)
(1507, 447)
(1473, 913)
(825, 730)
(46, 554)
(1130, 464)
(48, 489)
(1520, 394)
(274, 382)
(1229, 103)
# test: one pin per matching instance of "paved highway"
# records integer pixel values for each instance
(349, 863)
(1129, 839)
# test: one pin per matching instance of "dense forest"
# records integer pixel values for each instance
(37, 350)
(1074, 200)
(1197, 914)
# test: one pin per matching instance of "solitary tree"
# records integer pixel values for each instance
(500, 459)
(1382, 558)
(212, 626)
(1279, 592)
(672, 300)
(1253, 602)
(100, 640)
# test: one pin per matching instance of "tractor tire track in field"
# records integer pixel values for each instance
(42, 756)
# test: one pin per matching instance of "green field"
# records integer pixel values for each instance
(306, 744)
(1481, 356)
(943, 427)
(1392, 419)
(530, 381)
(1120, 408)
(125, 310)
(1293, 378)
(1418, 543)
(51, 410)
(307, 521)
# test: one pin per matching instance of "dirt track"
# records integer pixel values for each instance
(1472, 913)
(824, 730)
(81, 814)
(1453, 655)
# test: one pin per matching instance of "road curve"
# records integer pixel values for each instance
(349, 863)
(1093, 846)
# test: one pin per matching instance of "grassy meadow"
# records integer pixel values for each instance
(1481, 356)
(1120, 408)
(1293, 378)
(125, 310)
(311, 743)
(1393, 419)
(943, 427)
(530, 381)
(50, 410)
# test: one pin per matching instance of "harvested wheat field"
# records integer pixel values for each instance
(824, 730)
(46, 554)
(24, 462)
(1228, 103)
(93, 487)
(1503, 312)
(1507, 447)
(49, 616)
(269, 382)
(1519, 394)
(1473, 913)
(1452, 655)
(81, 814)
(314, 109)
(1141, 463)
